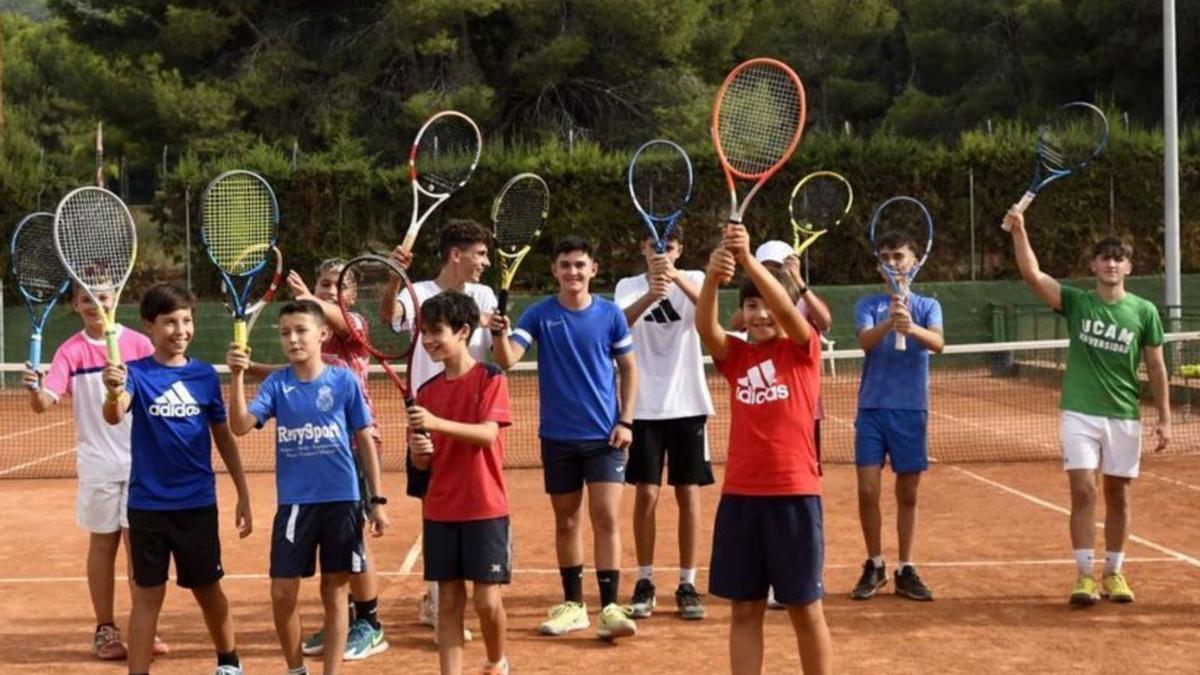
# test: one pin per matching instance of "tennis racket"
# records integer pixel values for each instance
(239, 224)
(902, 220)
(518, 213)
(96, 240)
(757, 121)
(265, 297)
(442, 159)
(1070, 139)
(819, 202)
(41, 279)
(660, 184)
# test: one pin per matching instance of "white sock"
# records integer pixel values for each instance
(687, 575)
(498, 664)
(646, 572)
(1085, 559)
(877, 561)
(1113, 561)
(302, 670)
(433, 592)
(903, 564)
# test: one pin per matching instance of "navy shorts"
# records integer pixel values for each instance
(681, 444)
(474, 550)
(768, 542)
(301, 530)
(899, 434)
(567, 465)
(188, 535)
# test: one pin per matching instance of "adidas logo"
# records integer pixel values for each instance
(758, 386)
(664, 313)
(175, 402)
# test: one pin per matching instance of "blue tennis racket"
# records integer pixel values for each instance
(239, 222)
(660, 183)
(901, 237)
(41, 277)
(1070, 139)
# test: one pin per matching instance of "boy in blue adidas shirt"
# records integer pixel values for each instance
(585, 434)
(893, 415)
(177, 413)
(316, 408)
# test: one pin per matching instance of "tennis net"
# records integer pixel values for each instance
(988, 403)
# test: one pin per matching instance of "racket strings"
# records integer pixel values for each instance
(821, 202)
(36, 265)
(661, 180)
(903, 224)
(446, 154)
(365, 285)
(520, 213)
(239, 223)
(1072, 137)
(96, 237)
(761, 113)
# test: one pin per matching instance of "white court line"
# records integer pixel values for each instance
(34, 430)
(548, 571)
(1173, 481)
(39, 460)
(1182, 557)
(410, 558)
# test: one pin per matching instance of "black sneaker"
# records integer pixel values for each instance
(909, 584)
(873, 578)
(643, 599)
(688, 602)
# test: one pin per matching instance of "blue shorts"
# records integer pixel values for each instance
(900, 434)
(300, 531)
(768, 542)
(567, 465)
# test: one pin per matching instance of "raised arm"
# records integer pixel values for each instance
(773, 292)
(1045, 287)
(721, 268)
(241, 422)
(1156, 368)
(390, 305)
(333, 313)
(505, 350)
(228, 449)
(116, 400)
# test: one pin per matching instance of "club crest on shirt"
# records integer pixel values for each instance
(325, 399)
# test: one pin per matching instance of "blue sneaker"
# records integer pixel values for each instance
(364, 641)
(315, 644)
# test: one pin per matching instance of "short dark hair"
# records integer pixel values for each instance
(309, 307)
(896, 240)
(450, 308)
(572, 243)
(460, 233)
(165, 298)
(1112, 246)
(747, 289)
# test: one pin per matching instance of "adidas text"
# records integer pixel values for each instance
(174, 409)
(778, 392)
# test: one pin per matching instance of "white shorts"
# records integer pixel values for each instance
(1092, 442)
(102, 507)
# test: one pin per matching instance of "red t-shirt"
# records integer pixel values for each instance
(466, 481)
(773, 393)
(353, 355)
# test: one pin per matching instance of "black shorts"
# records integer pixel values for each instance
(567, 465)
(188, 535)
(418, 479)
(682, 443)
(474, 550)
(335, 528)
(768, 542)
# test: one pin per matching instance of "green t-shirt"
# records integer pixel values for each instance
(1106, 347)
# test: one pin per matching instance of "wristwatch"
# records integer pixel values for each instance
(377, 501)
(627, 425)
(803, 290)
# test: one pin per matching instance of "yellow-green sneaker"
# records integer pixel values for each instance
(1086, 592)
(615, 622)
(565, 618)
(1115, 588)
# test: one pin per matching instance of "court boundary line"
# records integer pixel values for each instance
(410, 558)
(1172, 481)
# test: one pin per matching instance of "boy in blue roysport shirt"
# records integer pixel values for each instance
(893, 415)
(585, 434)
(176, 404)
(316, 408)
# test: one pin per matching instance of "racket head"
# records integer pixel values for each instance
(445, 153)
(41, 277)
(1071, 137)
(758, 118)
(95, 238)
(519, 212)
(820, 201)
(901, 222)
(239, 222)
(370, 281)
(660, 181)
(264, 288)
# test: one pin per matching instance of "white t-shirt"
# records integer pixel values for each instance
(480, 345)
(671, 381)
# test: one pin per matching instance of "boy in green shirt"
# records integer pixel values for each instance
(1110, 331)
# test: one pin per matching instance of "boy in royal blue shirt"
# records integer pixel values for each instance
(176, 404)
(316, 407)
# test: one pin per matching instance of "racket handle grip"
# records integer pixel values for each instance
(409, 402)
(239, 334)
(901, 342)
(35, 356)
(1022, 204)
(110, 341)
(502, 302)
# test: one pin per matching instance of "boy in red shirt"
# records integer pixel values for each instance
(769, 529)
(463, 409)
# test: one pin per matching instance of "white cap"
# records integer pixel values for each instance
(774, 251)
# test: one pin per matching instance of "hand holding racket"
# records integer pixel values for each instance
(239, 223)
(518, 213)
(758, 118)
(96, 240)
(819, 202)
(901, 230)
(442, 159)
(660, 184)
(41, 279)
(1068, 141)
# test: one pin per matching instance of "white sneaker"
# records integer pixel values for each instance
(427, 612)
